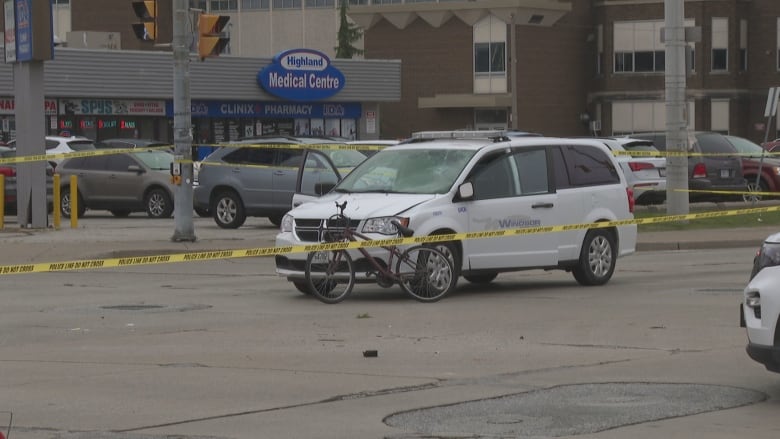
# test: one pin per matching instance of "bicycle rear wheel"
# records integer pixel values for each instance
(330, 275)
(425, 273)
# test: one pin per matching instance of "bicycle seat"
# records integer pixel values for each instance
(404, 231)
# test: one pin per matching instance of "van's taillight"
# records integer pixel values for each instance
(630, 195)
(699, 171)
(639, 166)
(7, 171)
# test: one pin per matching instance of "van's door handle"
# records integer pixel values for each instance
(296, 204)
(542, 205)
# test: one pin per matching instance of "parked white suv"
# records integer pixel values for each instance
(515, 183)
(761, 306)
(63, 145)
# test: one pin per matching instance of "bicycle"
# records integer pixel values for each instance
(423, 272)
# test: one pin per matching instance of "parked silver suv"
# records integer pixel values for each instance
(251, 179)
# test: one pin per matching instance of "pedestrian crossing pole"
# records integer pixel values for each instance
(182, 125)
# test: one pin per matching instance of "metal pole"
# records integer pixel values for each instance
(182, 124)
(677, 202)
(513, 74)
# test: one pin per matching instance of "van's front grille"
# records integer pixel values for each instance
(313, 230)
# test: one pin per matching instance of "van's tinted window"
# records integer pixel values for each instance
(532, 170)
(589, 166)
(559, 168)
(495, 179)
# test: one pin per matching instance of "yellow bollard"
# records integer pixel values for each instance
(56, 214)
(74, 202)
(2, 201)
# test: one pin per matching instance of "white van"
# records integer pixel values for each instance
(460, 182)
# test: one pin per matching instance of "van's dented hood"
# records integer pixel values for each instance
(360, 205)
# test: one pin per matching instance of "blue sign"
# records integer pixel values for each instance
(301, 75)
(24, 35)
(271, 110)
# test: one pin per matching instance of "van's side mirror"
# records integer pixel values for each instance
(466, 191)
(323, 188)
(135, 168)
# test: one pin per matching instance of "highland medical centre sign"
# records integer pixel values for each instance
(301, 75)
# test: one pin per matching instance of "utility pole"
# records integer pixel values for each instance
(182, 125)
(513, 73)
(677, 202)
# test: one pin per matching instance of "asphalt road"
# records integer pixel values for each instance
(226, 349)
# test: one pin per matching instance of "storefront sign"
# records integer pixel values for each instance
(271, 110)
(112, 107)
(301, 75)
(33, 20)
(10, 32)
(7, 106)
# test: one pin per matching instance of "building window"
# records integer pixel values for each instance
(358, 2)
(638, 47)
(720, 41)
(599, 48)
(719, 116)
(61, 2)
(287, 4)
(778, 44)
(255, 4)
(489, 57)
(743, 26)
(198, 4)
(643, 116)
(223, 5)
(320, 3)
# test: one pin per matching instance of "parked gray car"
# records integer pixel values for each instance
(120, 183)
(252, 180)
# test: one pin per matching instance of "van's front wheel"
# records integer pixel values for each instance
(597, 258)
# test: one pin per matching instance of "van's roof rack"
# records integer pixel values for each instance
(460, 134)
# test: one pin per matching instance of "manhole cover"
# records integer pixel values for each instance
(571, 410)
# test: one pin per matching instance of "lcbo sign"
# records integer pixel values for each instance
(301, 75)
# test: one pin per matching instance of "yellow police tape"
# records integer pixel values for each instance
(88, 153)
(271, 251)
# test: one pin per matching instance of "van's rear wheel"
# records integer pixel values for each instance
(597, 258)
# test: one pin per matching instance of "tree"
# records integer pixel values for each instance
(348, 34)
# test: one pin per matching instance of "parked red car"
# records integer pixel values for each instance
(751, 162)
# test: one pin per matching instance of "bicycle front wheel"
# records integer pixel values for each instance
(330, 275)
(425, 273)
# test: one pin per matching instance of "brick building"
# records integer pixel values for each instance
(578, 62)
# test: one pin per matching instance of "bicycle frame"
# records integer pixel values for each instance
(349, 234)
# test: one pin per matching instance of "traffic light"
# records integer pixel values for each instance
(146, 11)
(211, 38)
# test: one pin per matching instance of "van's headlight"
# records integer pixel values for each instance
(287, 223)
(384, 225)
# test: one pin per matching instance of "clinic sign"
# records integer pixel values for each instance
(301, 75)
